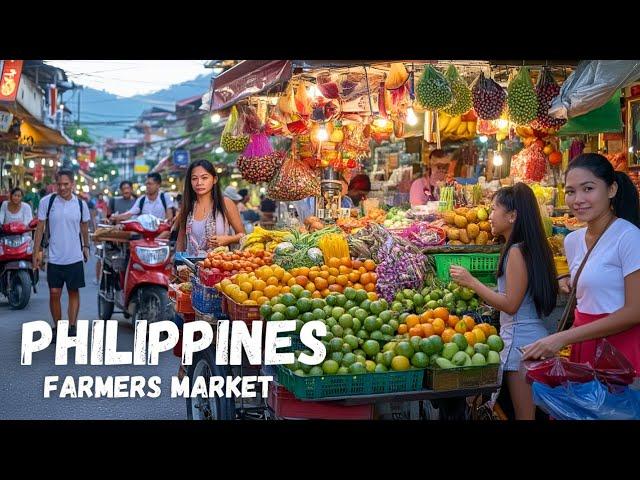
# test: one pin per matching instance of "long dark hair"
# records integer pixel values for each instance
(16, 190)
(626, 203)
(189, 196)
(529, 232)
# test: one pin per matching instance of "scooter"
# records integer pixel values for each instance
(17, 276)
(136, 272)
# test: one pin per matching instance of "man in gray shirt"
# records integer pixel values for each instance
(125, 202)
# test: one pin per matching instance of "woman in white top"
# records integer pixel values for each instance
(15, 210)
(608, 290)
(207, 219)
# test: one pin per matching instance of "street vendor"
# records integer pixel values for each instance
(425, 189)
(207, 218)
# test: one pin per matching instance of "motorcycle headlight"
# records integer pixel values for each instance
(13, 241)
(153, 255)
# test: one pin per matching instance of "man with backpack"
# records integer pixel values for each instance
(64, 223)
(155, 202)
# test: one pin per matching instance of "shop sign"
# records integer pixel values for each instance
(10, 80)
(181, 158)
(140, 166)
(5, 121)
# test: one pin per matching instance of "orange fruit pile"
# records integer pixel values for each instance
(339, 274)
(440, 322)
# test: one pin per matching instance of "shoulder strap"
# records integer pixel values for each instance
(164, 201)
(144, 197)
(586, 257)
(53, 197)
(81, 209)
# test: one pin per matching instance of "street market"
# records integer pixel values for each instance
(385, 178)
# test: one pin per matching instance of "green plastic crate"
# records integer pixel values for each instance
(483, 266)
(323, 386)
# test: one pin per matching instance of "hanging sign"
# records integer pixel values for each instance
(10, 80)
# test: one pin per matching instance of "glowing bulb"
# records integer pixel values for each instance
(218, 170)
(61, 106)
(28, 183)
(263, 190)
(314, 91)
(32, 164)
(59, 163)
(219, 150)
(51, 163)
(173, 187)
(322, 135)
(79, 132)
(171, 179)
(503, 124)
(113, 172)
(497, 160)
(483, 139)
(85, 188)
(138, 192)
(411, 117)
(74, 161)
(43, 162)
(381, 122)
(106, 191)
(215, 117)
(143, 188)
(33, 190)
(630, 149)
(75, 177)
(93, 187)
(234, 184)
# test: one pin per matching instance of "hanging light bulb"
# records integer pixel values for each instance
(113, 172)
(28, 183)
(321, 134)
(411, 116)
(43, 162)
(502, 124)
(16, 160)
(171, 179)
(215, 117)
(483, 139)
(497, 160)
(79, 132)
(51, 163)
(173, 187)
(59, 163)
(32, 164)
(219, 150)
(381, 123)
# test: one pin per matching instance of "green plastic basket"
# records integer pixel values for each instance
(322, 386)
(439, 379)
(483, 266)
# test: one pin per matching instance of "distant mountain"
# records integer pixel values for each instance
(101, 106)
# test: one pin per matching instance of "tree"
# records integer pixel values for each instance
(71, 131)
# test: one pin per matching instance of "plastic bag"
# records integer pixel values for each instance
(327, 86)
(294, 181)
(587, 401)
(461, 101)
(591, 85)
(233, 138)
(303, 104)
(396, 77)
(252, 124)
(286, 103)
(611, 366)
(546, 90)
(488, 98)
(521, 98)
(433, 91)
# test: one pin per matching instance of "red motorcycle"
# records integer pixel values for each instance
(135, 272)
(17, 276)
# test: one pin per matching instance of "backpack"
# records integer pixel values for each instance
(162, 199)
(45, 237)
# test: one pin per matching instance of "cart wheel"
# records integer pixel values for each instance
(202, 408)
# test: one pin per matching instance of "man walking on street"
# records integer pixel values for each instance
(123, 203)
(155, 202)
(64, 222)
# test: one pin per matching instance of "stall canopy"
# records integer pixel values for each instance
(247, 78)
(605, 119)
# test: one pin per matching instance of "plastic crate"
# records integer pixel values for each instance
(439, 379)
(245, 313)
(285, 405)
(183, 301)
(483, 266)
(206, 299)
(322, 386)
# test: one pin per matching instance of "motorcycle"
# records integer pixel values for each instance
(17, 276)
(136, 272)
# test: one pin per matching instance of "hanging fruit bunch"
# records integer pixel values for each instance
(530, 164)
(521, 98)
(488, 98)
(433, 91)
(259, 163)
(294, 181)
(546, 90)
(233, 138)
(459, 127)
(461, 100)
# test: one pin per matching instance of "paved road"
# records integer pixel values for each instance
(21, 387)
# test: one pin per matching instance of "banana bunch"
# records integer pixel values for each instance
(261, 239)
(454, 128)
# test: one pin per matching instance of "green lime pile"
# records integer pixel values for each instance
(458, 353)
(454, 298)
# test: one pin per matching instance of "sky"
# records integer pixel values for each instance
(127, 78)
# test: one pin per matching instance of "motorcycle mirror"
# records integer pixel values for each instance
(33, 223)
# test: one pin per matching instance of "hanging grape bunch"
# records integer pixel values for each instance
(488, 98)
(546, 90)
(260, 169)
(433, 91)
(461, 101)
(521, 98)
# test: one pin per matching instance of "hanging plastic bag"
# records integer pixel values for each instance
(286, 103)
(252, 124)
(303, 104)
(611, 366)
(259, 163)
(488, 98)
(461, 101)
(233, 138)
(546, 90)
(433, 91)
(587, 401)
(521, 98)
(396, 77)
(327, 86)
(294, 181)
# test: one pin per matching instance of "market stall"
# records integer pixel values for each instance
(378, 275)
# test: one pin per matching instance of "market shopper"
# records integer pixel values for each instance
(64, 218)
(123, 203)
(207, 218)
(15, 210)
(358, 189)
(425, 189)
(155, 202)
(527, 284)
(608, 303)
